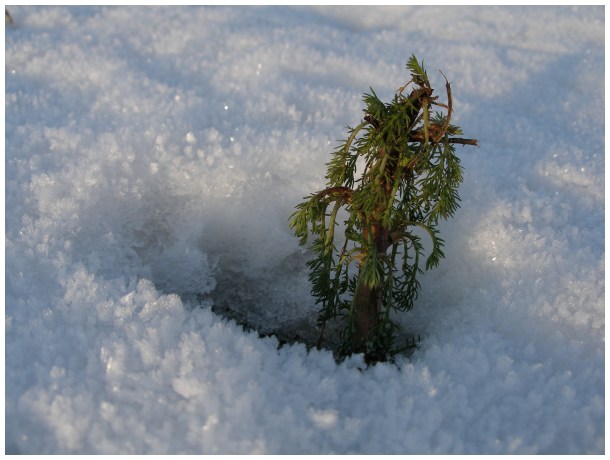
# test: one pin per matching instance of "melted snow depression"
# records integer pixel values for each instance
(153, 158)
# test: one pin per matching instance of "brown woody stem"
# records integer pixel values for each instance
(459, 140)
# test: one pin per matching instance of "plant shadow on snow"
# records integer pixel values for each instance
(261, 286)
(257, 302)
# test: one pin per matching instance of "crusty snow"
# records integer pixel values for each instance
(153, 158)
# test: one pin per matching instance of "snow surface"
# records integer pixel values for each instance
(156, 153)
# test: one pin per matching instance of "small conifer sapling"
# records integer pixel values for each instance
(392, 180)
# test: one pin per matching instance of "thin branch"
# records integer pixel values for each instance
(321, 336)
(449, 110)
(417, 136)
(459, 140)
(346, 192)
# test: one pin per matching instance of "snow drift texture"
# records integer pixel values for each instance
(157, 153)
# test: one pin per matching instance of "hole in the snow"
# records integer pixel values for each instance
(274, 302)
(277, 303)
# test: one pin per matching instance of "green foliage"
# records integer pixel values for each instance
(391, 180)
